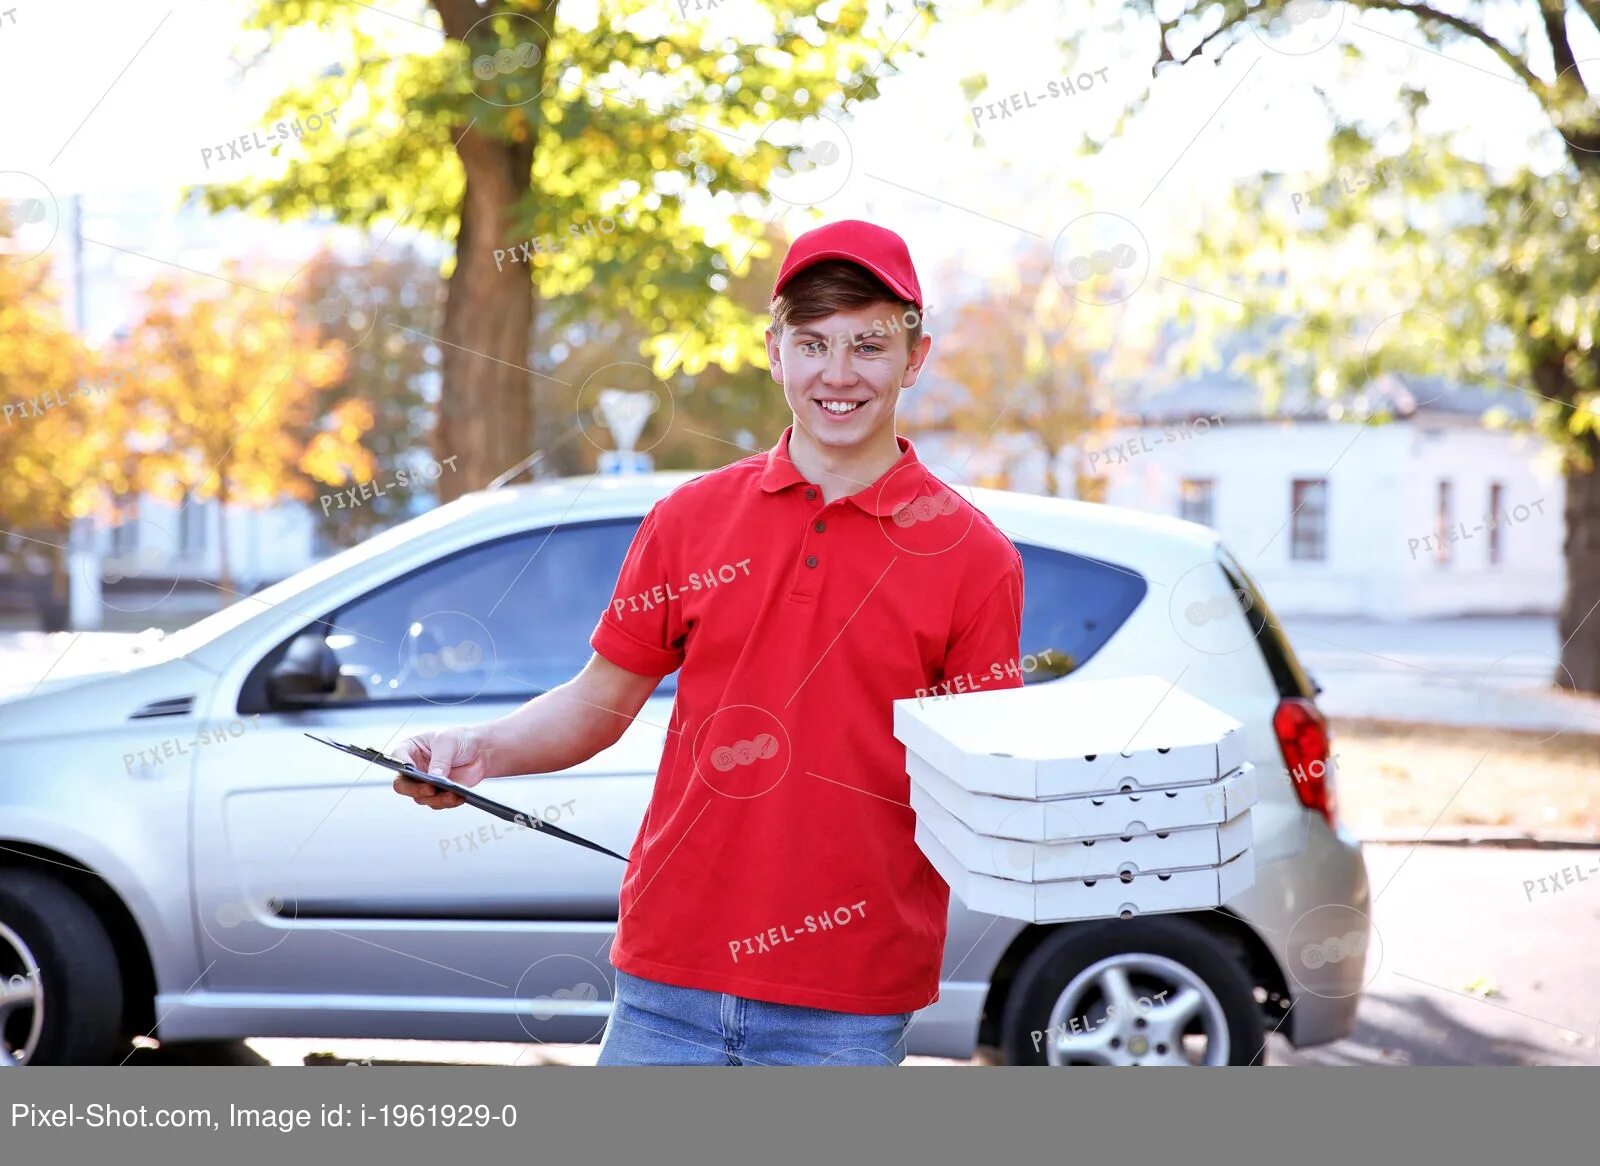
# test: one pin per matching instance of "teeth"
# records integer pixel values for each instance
(840, 406)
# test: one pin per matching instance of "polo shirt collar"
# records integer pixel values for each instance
(896, 487)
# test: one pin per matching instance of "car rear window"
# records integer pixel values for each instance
(1287, 674)
(1071, 606)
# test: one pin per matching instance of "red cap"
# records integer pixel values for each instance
(876, 248)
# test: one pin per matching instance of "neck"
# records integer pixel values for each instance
(840, 472)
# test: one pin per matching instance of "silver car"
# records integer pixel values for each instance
(178, 858)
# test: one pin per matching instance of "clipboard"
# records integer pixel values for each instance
(470, 796)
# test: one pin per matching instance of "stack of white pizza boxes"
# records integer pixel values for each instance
(1081, 799)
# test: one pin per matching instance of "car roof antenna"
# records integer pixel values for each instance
(517, 470)
(530, 461)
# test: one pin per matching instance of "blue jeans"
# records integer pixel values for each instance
(662, 1024)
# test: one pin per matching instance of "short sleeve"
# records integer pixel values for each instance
(988, 636)
(641, 629)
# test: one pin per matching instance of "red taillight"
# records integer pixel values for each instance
(1303, 738)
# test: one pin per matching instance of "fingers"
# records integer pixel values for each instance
(407, 787)
(447, 748)
(438, 753)
(413, 751)
(426, 795)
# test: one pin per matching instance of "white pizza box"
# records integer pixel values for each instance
(1063, 900)
(1128, 733)
(1077, 858)
(1092, 815)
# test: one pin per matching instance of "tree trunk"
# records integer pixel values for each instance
(1578, 623)
(486, 402)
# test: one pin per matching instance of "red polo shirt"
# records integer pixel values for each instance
(777, 858)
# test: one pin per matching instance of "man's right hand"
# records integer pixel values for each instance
(458, 754)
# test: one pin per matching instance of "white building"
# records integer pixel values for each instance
(186, 542)
(1332, 513)
(1432, 513)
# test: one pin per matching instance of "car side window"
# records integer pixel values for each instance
(503, 620)
(1071, 605)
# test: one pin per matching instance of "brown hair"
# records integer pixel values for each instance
(837, 285)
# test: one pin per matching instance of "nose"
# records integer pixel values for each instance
(839, 372)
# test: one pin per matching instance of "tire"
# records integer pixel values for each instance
(50, 936)
(1056, 1010)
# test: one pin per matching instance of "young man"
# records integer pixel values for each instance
(776, 909)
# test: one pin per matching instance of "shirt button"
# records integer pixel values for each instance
(811, 560)
(811, 495)
(819, 526)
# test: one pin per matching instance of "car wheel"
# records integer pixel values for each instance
(1152, 991)
(60, 985)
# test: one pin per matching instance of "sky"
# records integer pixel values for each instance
(121, 100)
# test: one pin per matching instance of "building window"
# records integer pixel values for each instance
(191, 525)
(1443, 520)
(1195, 500)
(1497, 499)
(1308, 521)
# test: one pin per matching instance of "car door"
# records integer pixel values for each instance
(313, 877)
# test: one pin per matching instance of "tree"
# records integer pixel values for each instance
(226, 403)
(1501, 270)
(699, 419)
(520, 125)
(51, 449)
(389, 387)
(1030, 364)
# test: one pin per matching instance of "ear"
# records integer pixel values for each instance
(919, 354)
(774, 357)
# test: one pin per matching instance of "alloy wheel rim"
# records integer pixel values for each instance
(1136, 1008)
(21, 992)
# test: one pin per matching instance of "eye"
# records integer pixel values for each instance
(812, 347)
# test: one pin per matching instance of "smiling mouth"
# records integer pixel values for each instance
(840, 408)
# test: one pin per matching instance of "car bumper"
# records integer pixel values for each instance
(1311, 898)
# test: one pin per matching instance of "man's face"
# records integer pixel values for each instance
(842, 375)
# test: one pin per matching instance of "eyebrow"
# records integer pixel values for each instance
(868, 334)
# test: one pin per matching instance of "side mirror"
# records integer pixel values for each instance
(307, 674)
